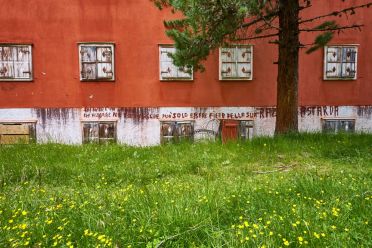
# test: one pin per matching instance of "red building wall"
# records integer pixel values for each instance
(54, 27)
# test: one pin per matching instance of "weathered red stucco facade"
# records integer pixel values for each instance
(55, 28)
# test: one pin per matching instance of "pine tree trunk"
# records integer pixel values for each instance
(287, 83)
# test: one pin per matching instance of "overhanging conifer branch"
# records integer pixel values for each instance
(336, 13)
(355, 26)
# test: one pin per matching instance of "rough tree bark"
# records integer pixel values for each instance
(287, 83)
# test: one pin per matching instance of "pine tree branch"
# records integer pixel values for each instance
(331, 29)
(335, 13)
(258, 37)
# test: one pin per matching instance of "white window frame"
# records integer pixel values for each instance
(326, 62)
(30, 72)
(97, 45)
(236, 62)
(178, 69)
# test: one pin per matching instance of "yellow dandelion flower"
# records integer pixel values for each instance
(300, 239)
(286, 243)
(316, 235)
(271, 233)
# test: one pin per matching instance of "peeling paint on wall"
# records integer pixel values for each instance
(142, 126)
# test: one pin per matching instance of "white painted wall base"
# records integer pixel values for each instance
(141, 126)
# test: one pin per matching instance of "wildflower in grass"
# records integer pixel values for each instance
(271, 233)
(333, 227)
(24, 212)
(316, 235)
(285, 242)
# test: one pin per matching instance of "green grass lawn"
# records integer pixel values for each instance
(300, 190)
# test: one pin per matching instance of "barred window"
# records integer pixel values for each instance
(169, 71)
(236, 62)
(338, 125)
(96, 62)
(99, 132)
(175, 131)
(15, 62)
(340, 62)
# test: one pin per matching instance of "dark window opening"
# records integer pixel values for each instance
(173, 131)
(336, 126)
(99, 132)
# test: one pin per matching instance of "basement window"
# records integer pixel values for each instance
(96, 62)
(17, 133)
(246, 130)
(169, 71)
(338, 125)
(340, 62)
(15, 62)
(99, 132)
(236, 62)
(176, 131)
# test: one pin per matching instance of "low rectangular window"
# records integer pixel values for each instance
(246, 130)
(340, 62)
(96, 62)
(173, 131)
(169, 71)
(99, 132)
(338, 125)
(236, 62)
(15, 62)
(17, 133)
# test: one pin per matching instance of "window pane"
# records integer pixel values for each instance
(104, 54)
(89, 71)
(228, 70)
(244, 70)
(228, 54)
(90, 133)
(244, 54)
(88, 54)
(185, 131)
(104, 70)
(6, 70)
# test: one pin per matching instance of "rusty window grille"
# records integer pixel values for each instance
(236, 62)
(176, 131)
(96, 62)
(15, 62)
(17, 133)
(246, 130)
(169, 71)
(340, 62)
(338, 125)
(99, 132)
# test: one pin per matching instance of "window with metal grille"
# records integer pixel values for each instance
(15, 62)
(236, 62)
(246, 130)
(99, 132)
(340, 62)
(338, 125)
(96, 62)
(176, 131)
(169, 71)
(17, 133)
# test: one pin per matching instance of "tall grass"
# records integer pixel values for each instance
(298, 190)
